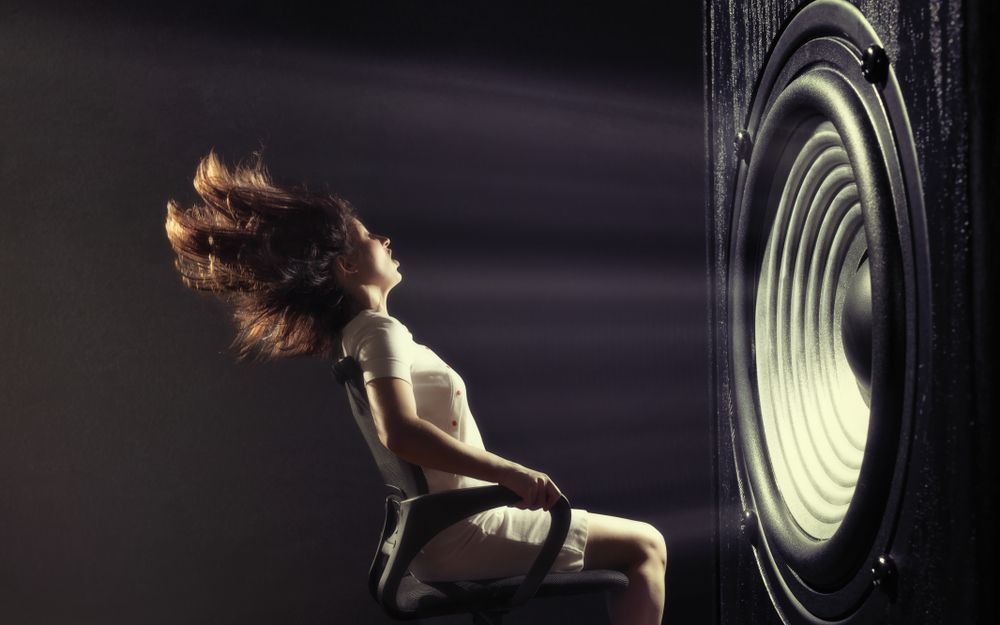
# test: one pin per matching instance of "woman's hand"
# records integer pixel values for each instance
(536, 489)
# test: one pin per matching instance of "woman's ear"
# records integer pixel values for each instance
(345, 264)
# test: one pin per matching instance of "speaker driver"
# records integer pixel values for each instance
(825, 322)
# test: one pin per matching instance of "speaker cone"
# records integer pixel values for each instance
(811, 296)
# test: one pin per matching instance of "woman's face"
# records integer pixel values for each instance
(373, 258)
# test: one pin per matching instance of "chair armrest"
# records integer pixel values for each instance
(561, 518)
(423, 517)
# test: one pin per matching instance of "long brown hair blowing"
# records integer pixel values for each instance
(269, 252)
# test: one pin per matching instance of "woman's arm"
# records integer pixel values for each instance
(423, 443)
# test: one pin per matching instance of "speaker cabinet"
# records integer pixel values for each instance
(851, 191)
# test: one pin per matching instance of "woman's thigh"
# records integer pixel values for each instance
(618, 543)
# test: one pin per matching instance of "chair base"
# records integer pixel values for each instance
(487, 599)
(487, 618)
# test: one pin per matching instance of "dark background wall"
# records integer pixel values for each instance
(539, 170)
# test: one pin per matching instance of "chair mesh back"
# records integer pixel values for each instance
(401, 477)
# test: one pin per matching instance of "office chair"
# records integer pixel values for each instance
(413, 516)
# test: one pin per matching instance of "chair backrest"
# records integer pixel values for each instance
(402, 478)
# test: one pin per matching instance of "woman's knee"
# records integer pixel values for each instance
(621, 544)
(652, 545)
(656, 546)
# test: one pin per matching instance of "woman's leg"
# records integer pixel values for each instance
(638, 550)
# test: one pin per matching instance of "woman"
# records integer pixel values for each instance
(304, 276)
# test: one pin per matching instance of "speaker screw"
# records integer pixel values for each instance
(884, 573)
(748, 526)
(743, 144)
(874, 64)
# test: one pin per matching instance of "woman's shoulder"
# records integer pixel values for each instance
(371, 318)
(372, 323)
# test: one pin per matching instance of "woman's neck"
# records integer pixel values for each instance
(370, 298)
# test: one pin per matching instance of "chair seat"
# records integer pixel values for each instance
(437, 598)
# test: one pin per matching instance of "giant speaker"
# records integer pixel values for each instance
(851, 194)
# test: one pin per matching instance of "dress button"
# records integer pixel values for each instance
(454, 423)
(458, 392)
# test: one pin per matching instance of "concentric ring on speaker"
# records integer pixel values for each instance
(814, 273)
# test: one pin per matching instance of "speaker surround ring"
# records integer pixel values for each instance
(821, 94)
(815, 547)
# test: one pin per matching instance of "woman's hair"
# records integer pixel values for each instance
(268, 251)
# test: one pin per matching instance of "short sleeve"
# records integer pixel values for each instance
(383, 348)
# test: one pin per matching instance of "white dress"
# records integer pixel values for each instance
(496, 543)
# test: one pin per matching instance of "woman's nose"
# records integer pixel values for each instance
(385, 240)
